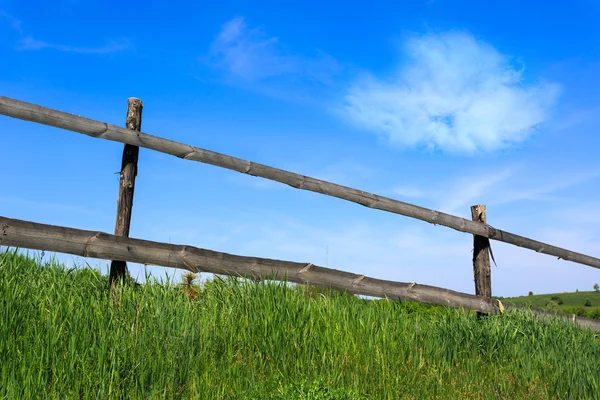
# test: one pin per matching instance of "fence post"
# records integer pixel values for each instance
(481, 256)
(129, 169)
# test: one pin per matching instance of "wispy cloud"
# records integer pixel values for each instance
(452, 194)
(454, 93)
(577, 118)
(55, 207)
(254, 182)
(409, 191)
(409, 250)
(29, 43)
(467, 191)
(249, 54)
(495, 188)
(343, 172)
(403, 250)
(250, 57)
(14, 23)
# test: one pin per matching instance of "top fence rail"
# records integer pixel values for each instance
(102, 130)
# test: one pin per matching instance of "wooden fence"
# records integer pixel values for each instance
(121, 249)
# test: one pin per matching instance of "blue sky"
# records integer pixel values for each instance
(443, 104)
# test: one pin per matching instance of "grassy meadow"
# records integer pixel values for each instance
(62, 337)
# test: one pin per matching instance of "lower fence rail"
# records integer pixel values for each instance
(36, 236)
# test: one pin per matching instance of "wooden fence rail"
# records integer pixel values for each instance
(121, 249)
(31, 112)
(32, 235)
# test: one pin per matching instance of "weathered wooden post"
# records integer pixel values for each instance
(129, 168)
(481, 256)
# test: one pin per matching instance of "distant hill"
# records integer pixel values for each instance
(584, 304)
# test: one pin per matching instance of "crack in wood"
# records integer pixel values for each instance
(89, 242)
(306, 268)
(356, 281)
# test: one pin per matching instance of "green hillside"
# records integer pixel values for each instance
(584, 304)
(63, 337)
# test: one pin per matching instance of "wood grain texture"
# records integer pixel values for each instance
(32, 235)
(481, 256)
(129, 170)
(102, 130)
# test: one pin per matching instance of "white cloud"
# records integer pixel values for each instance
(29, 43)
(454, 93)
(249, 56)
(249, 53)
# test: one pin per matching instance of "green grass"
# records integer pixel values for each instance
(572, 303)
(62, 338)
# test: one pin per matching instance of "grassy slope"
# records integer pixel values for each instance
(61, 338)
(570, 300)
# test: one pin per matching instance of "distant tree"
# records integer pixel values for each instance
(556, 299)
(588, 303)
(596, 287)
(530, 293)
(576, 290)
